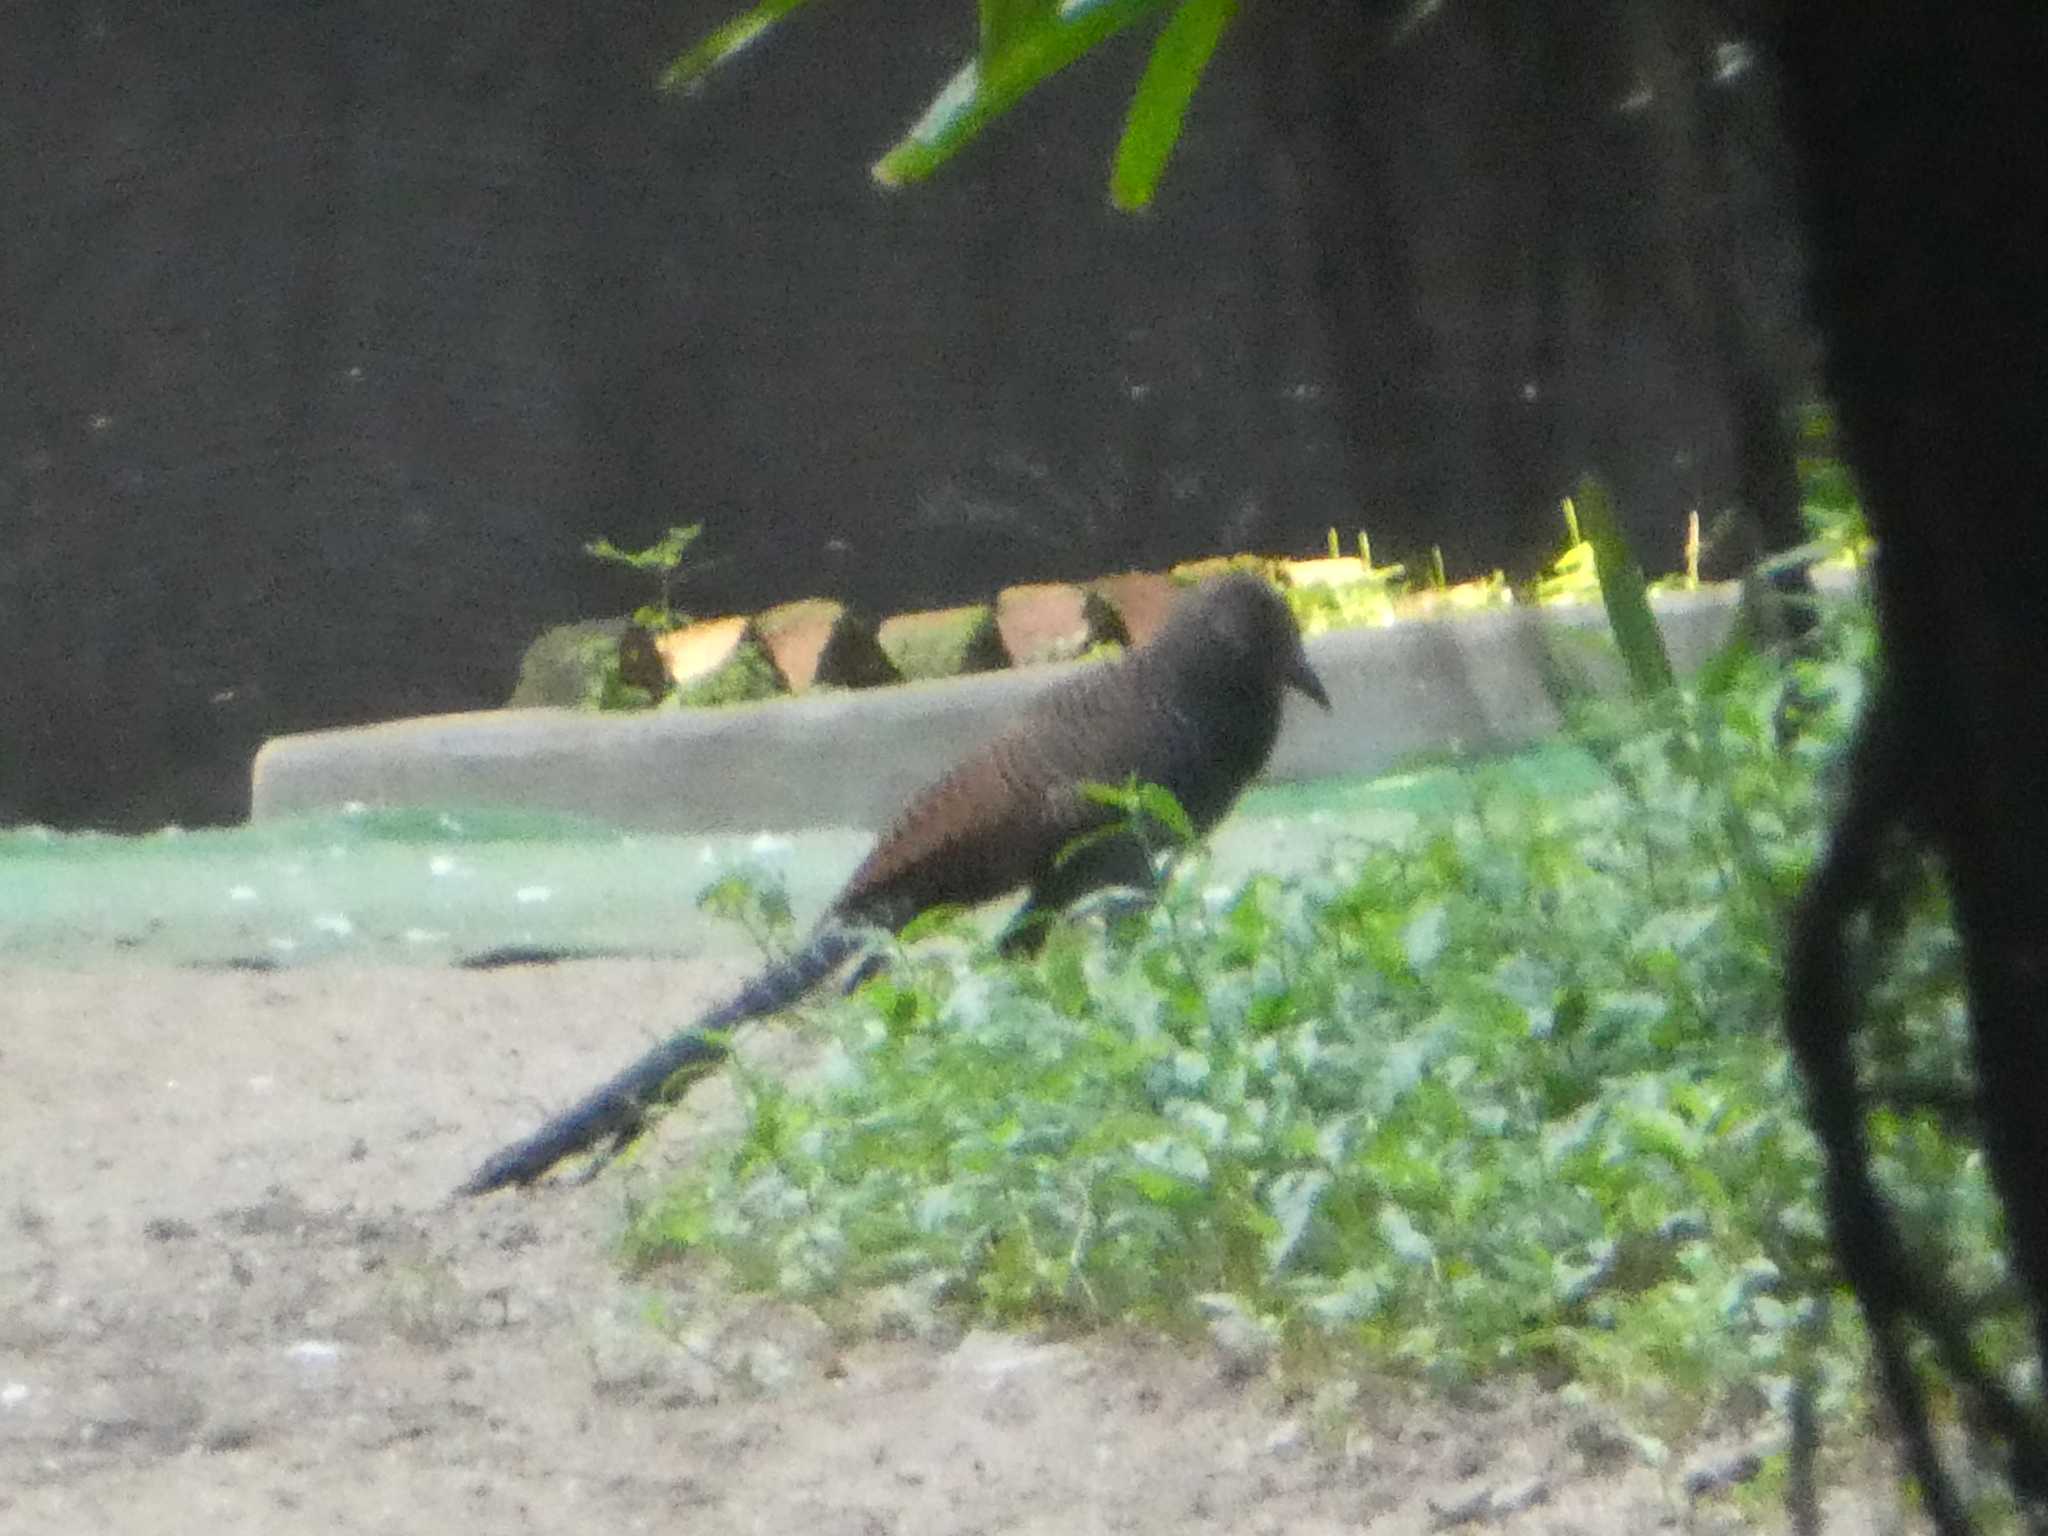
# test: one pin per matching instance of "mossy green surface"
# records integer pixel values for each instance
(747, 674)
(949, 643)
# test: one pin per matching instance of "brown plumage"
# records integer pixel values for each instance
(1196, 711)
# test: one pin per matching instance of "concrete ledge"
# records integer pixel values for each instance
(1472, 681)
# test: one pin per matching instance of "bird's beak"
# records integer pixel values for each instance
(1303, 676)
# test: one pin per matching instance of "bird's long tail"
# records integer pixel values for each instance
(616, 1109)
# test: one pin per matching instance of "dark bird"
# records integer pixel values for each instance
(1196, 710)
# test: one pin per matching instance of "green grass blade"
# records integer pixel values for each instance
(722, 42)
(1160, 103)
(1624, 593)
(981, 92)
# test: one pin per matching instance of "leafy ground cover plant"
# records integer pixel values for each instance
(1497, 1091)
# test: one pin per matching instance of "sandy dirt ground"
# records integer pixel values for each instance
(235, 1297)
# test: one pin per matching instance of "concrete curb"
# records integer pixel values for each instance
(1471, 681)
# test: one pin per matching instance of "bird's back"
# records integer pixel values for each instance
(1000, 818)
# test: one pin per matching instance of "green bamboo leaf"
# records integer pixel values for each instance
(1006, 23)
(1623, 591)
(979, 93)
(1160, 103)
(722, 42)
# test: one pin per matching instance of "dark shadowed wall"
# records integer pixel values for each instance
(331, 331)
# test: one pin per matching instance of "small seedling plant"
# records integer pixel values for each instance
(662, 560)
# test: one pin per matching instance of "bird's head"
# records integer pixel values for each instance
(1251, 630)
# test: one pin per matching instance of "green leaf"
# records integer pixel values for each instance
(665, 554)
(1160, 103)
(730, 897)
(1623, 591)
(1719, 674)
(722, 42)
(1074, 847)
(945, 918)
(980, 93)
(1292, 1200)
(1139, 803)
(1006, 23)
(1357, 1295)
(1180, 1160)
(1659, 1132)
(1208, 1124)
(1676, 931)
(1422, 941)
(1402, 1236)
(1158, 802)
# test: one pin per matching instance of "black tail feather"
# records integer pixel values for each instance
(616, 1109)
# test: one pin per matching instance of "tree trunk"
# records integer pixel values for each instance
(1920, 129)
